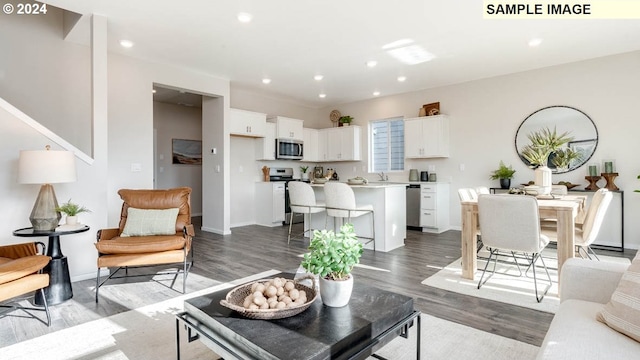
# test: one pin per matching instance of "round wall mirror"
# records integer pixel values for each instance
(577, 124)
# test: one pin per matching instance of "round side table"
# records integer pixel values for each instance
(59, 288)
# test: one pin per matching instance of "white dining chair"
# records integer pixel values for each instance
(467, 194)
(340, 202)
(303, 201)
(482, 190)
(559, 190)
(586, 234)
(511, 224)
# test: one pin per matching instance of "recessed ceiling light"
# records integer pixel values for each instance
(153, 91)
(535, 42)
(318, 77)
(411, 55)
(244, 17)
(266, 81)
(126, 43)
(322, 96)
(402, 78)
(372, 63)
(376, 93)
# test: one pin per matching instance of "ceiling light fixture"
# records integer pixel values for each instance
(411, 55)
(318, 77)
(126, 43)
(376, 93)
(402, 78)
(372, 63)
(322, 96)
(535, 42)
(154, 91)
(266, 81)
(397, 43)
(244, 17)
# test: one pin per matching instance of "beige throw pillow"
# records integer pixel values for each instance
(145, 222)
(622, 313)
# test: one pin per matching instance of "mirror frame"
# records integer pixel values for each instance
(549, 163)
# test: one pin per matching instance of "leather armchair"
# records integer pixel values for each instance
(115, 250)
(21, 273)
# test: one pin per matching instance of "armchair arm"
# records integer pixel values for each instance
(17, 251)
(189, 231)
(107, 234)
(590, 280)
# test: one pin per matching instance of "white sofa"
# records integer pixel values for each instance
(574, 333)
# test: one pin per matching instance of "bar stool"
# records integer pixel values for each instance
(302, 201)
(341, 203)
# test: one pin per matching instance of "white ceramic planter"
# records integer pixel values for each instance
(543, 179)
(336, 293)
(72, 220)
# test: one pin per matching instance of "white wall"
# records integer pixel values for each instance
(44, 76)
(177, 122)
(485, 115)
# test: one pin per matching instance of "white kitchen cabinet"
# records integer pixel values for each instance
(310, 150)
(266, 146)
(288, 128)
(322, 145)
(341, 143)
(270, 203)
(247, 123)
(426, 137)
(434, 207)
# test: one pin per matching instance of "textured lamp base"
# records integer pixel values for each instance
(44, 216)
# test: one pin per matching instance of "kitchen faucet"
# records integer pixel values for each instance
(383, 177)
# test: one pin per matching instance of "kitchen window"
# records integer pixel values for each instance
(386, 145)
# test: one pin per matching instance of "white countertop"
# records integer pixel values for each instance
(373, 184)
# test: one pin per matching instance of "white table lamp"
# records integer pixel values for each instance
(46, 167)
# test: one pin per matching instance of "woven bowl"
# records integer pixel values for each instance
(236, 297)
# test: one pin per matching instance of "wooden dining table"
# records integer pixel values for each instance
(564, 211)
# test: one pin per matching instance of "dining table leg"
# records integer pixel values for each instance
(566, 236)
(469, 244)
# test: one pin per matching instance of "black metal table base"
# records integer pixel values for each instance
(195, 329)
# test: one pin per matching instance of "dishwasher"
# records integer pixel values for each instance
(413, 206)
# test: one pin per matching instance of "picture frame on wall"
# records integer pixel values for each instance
(188, 152)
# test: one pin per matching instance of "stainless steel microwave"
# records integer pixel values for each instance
(289, 149)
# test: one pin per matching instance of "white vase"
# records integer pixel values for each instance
(72, 220)
(543, 179)
(336, 293)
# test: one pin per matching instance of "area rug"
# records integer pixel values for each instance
(149, 333)
(510, 289)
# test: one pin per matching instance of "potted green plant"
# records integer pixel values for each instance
(332, 257)
(71, 210)
(346, 120)
(543, 143)
(504, 174)
(303, 171)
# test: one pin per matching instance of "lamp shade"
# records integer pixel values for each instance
(46, 167)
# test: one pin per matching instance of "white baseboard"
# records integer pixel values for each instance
(92, 276)
(215, 231)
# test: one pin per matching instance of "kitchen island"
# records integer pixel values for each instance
(389, 207)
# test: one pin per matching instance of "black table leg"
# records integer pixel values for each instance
(59, 289)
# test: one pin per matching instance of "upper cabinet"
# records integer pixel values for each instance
(339, 144)
(426, 137)
(310, 152)
(247, 123)
(288, 128)
(266, 146)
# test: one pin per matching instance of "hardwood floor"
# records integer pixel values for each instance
(253, 249)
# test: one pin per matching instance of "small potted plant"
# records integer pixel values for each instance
(71, 210)
(332, 258)
(304, 175)
(346, 120)
(504, 174)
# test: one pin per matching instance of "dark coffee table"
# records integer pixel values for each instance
(372, 318)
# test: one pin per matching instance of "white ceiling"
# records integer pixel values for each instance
(290, 41)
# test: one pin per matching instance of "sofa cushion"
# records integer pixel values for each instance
(622, 312)
(146, 222)
(575, 334)
(140, 244)
(19, 268)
